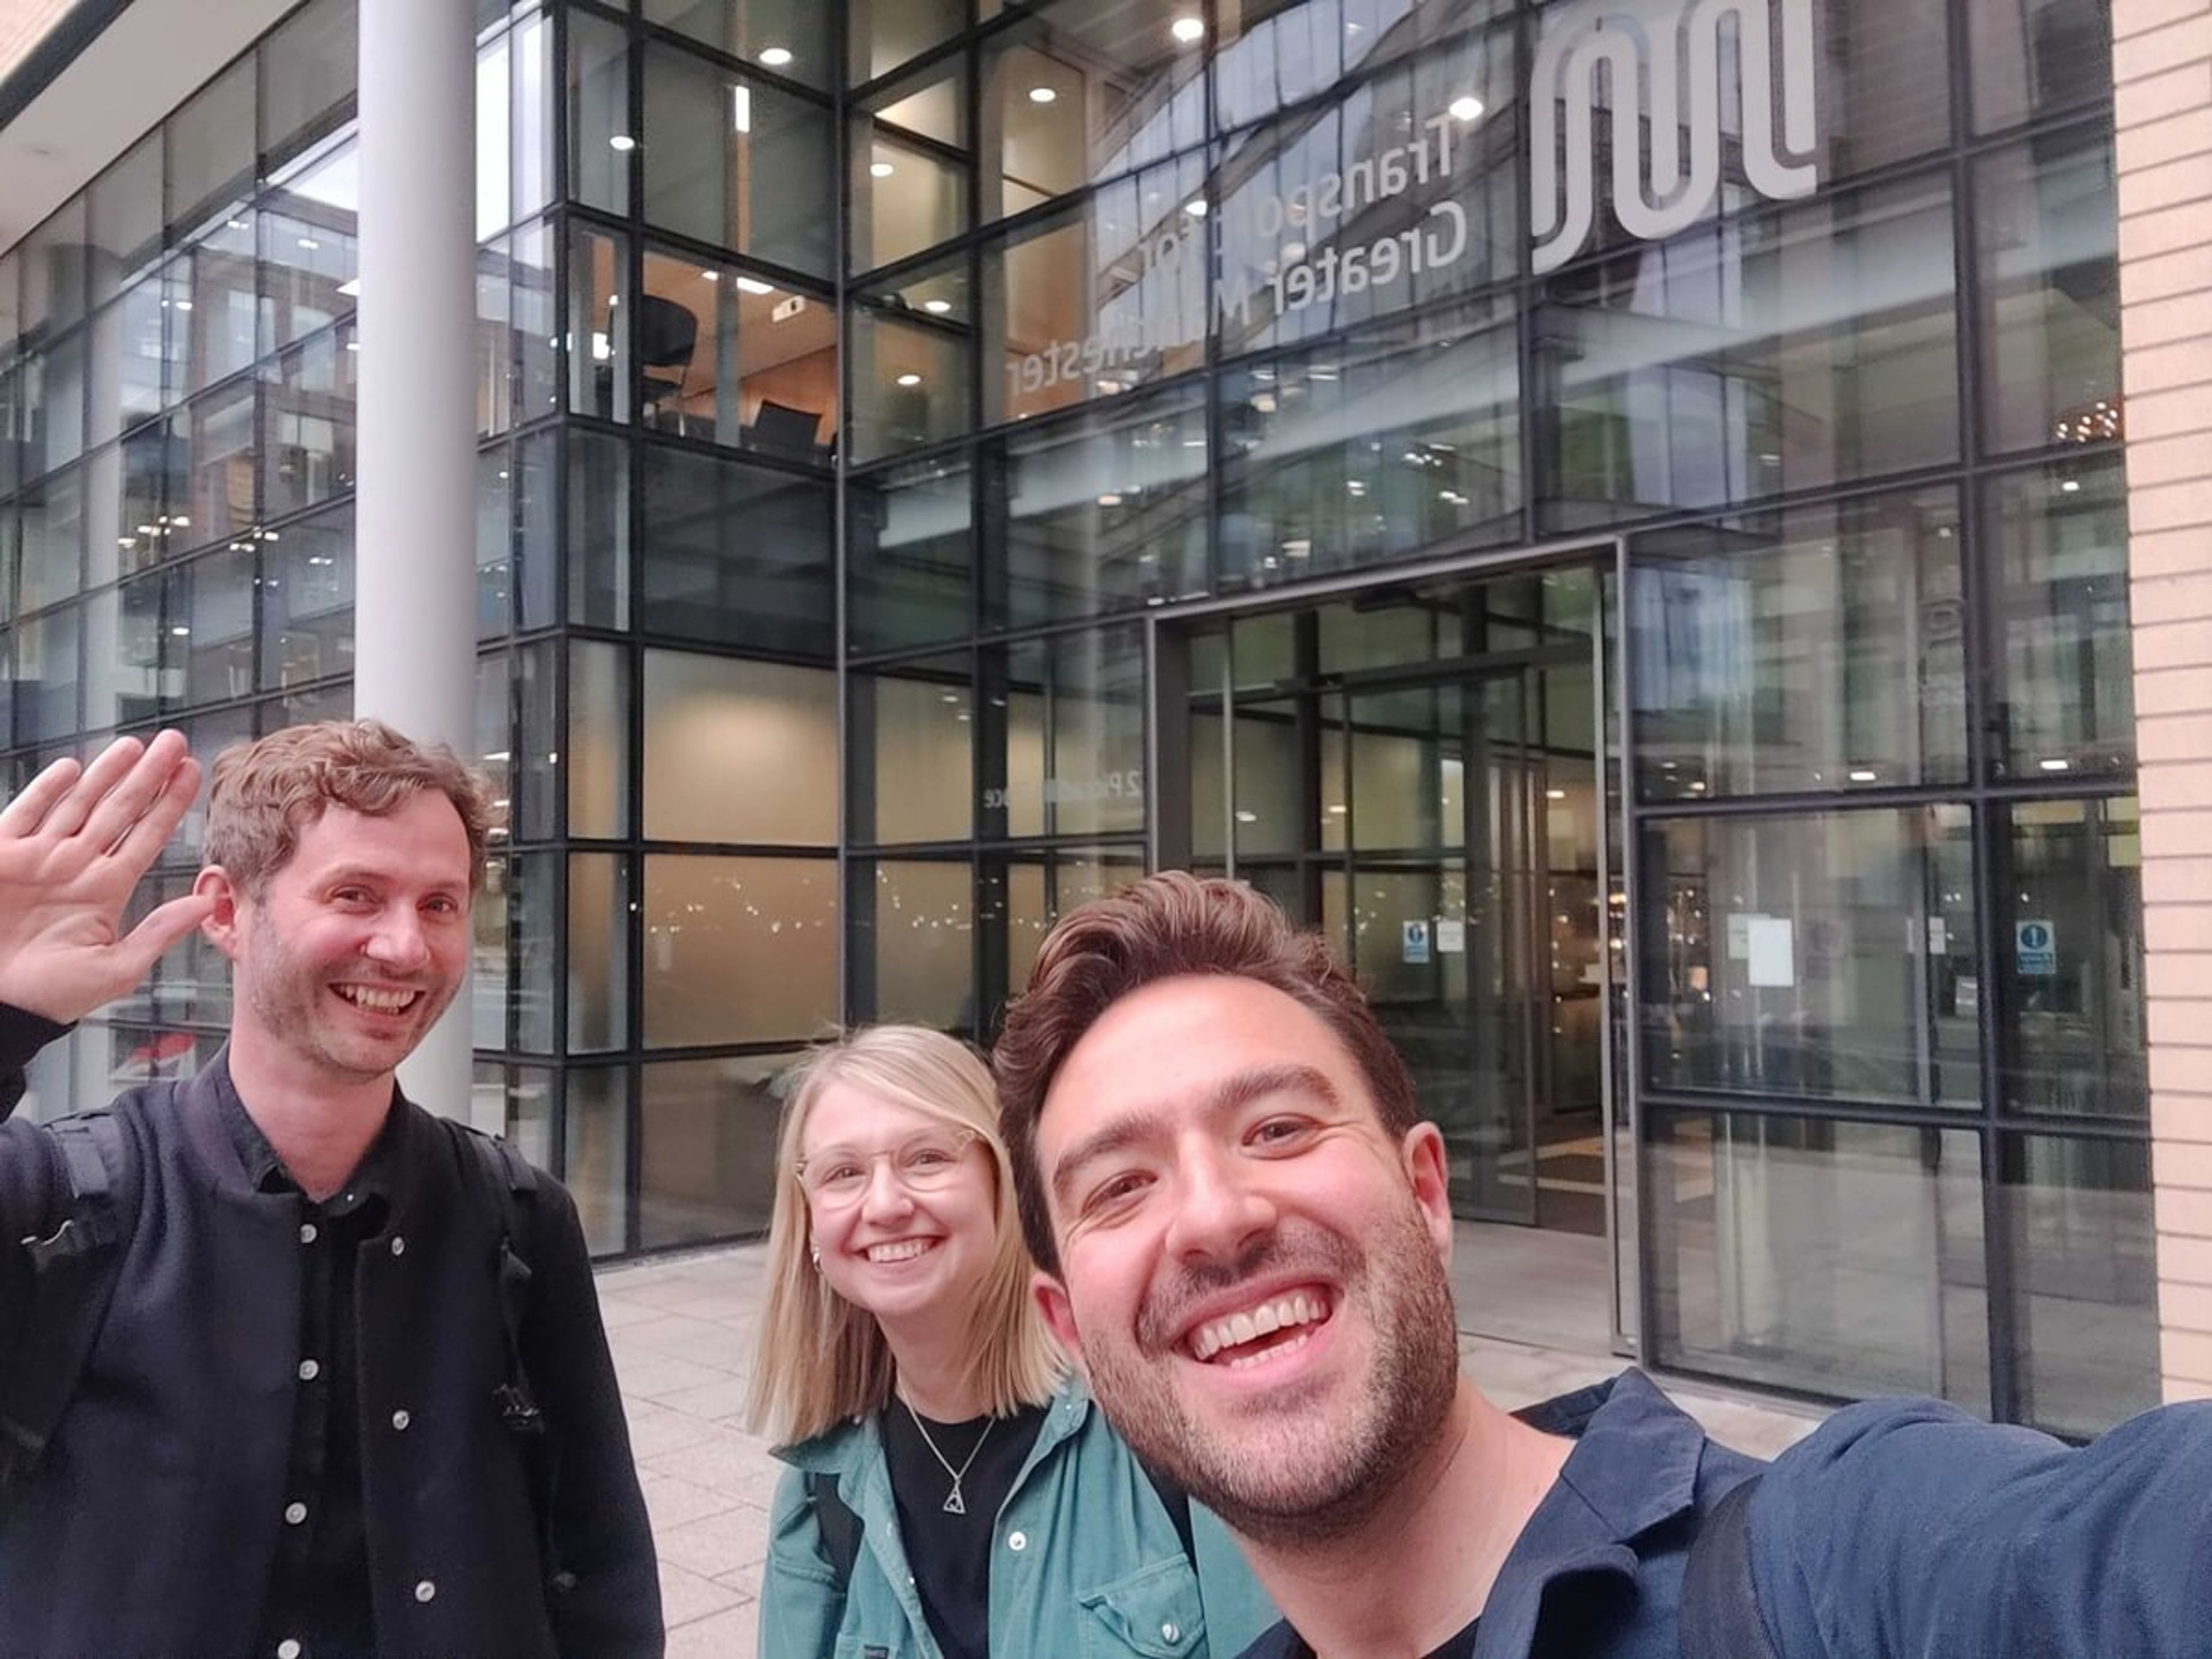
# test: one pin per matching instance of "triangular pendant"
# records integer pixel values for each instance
(954, 1503)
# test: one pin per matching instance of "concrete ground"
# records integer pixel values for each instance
(682, 1332)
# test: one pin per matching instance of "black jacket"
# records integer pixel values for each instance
(150, 1527)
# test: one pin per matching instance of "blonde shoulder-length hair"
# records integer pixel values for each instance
(822, 1361)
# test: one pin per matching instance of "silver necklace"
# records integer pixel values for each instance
(954, 1503)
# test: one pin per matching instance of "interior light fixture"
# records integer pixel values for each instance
(881, 169)
(710, 276)
(741, 108)
(775, 56)
(936, 308)
(910, 379)
(2055, 765)
(1863, 775)
(1467, 107)
(2069, 486)
(1195, 207)
(1043, 94)
(350, 287)
(621, 142)
(186, 305)
(310, 244)
(754, 285)
(1187, 30)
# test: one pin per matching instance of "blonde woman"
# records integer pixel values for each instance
(953, 1493)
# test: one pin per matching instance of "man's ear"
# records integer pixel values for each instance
(222, 928)
(1058, 1314)
(1430, 1177)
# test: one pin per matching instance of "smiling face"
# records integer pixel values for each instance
(354, 945)
(1252, 1268)
(903, 1206)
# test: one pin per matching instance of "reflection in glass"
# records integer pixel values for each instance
(911, 559)
(309, 253)
(1399, 439)
(732, 357)
(306, 600)
(911, 383)
(884, 33)
(125, 218)
(912, 943)
(307, 438)
(601, 133)
(598, 526)
(1829, 957)
(2070, 933)
(534, 895)
(741, 555)
(1800, 347)
(223, 500)
(1822, 648)
(1844, 1259)
(911, 734)
(790, 37)
(2056, 537)
(737, 751)
(2047, 238)
(597, 757)
(595, 1153)
(598, 339)
(739, 949)
(906, 197)
(2033, 56)
(2085, 1294)
(210, 147)
(735, 164)
(1070, 761)
(308, 72)
(599, 953)
(707, 1161)
(1105, 509)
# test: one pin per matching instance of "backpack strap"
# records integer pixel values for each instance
(1719, 1616)
(505, 1188)
(839, 1527)
(74, 1270)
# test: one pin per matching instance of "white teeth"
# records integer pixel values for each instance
(905, 1250)
(1238, 1328)
(382, 1002)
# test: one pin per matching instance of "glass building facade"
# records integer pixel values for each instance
(1615, 512)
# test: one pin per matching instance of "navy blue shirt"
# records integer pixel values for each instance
(1597, 1572)
(1899, 1528)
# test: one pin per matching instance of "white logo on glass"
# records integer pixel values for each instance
(1653, 47)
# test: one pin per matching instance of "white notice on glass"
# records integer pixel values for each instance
(1451, 936)
(1772, 952)
(1739, 935)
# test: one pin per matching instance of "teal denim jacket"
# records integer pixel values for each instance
(1086, 1562)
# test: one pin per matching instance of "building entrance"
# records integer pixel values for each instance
(1420, 771)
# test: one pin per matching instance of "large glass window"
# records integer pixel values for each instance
(1395, 440)
(790, 37)
(911, 383)
(741, 555)
(1069, 757)
(211, 143)
(739, 751)
(707, 1155)
(219, 309)
(308, 70)
(2047, 238)
(601, 133)
(907, 197)
(2085, 1294)
(2070, 956)
(1104, 511)
(910, 556)
(2033, 56)
(912, 744)
(306, 603)
(732, 357)
(1817, 957)
(125, 222)
(737, 164)
(1794, 349)
(2057, 544)
(1841, 1258)
(739, 949)
(1821, 649)
(884, 33)
(913, 942)
(309, 249)
(307, 447)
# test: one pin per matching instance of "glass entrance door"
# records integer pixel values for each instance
(1418, 774)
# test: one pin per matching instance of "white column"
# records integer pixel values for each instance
(414, 517)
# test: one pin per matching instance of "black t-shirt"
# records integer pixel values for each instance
(950, 1554)
(1461, 1646)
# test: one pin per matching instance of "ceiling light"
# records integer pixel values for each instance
(754, 285)
(184, 305)
(1109, 499)
(621, 142)
(1042, 95)
(350, 287)
(881, 169)
(310, 244)
(910, 379)
(1467, 108)
(1862, 774)
(2069, 485)
(1188, 29)
(775, 56)
(181, 631)
(2057, 765)
(741, 108)
(1549, 794)
(1195, 207)
(710, 276)
(936, 308)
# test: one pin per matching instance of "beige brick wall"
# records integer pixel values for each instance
(2162, 70)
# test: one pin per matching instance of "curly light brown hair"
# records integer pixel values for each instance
(1170, 925)
(267, 791)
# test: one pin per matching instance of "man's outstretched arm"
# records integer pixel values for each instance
(73, 846)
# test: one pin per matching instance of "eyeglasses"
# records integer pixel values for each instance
(836, 1176)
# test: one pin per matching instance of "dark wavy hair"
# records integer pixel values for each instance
(1168, 925)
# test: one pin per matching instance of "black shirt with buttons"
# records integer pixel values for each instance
(318, 1605)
